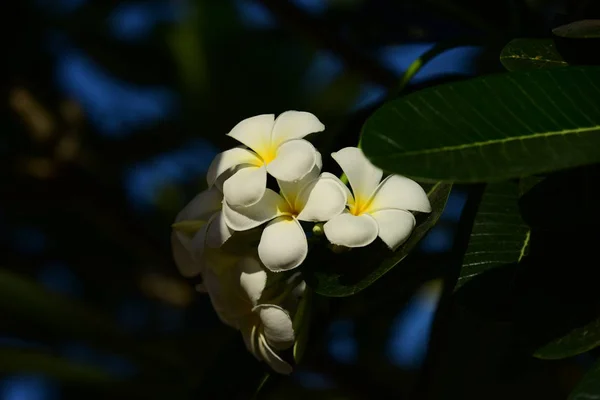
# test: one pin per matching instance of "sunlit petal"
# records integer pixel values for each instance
(270, 206)
(294, 125)
(295, 159)
(395, 226)
(362, 175)
(277, 325)
(351, 230)
(291, 190)
(253, 278)
(229, 159)
(272, 358)
(283, 244)
(254, 132)
(246, 186)
(401, 193)
(321, 200)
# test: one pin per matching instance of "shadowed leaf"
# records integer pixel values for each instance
(531, 54)
(491, 128)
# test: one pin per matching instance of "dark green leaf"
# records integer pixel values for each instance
(589, 386)
(499, 235)
(490, 128)
(585, 29)
(531, 54)
(578, 42)
(575, 342)
(345, 274)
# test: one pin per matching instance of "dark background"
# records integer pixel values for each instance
(113, 111)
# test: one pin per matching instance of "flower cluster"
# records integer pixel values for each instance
(239, 234)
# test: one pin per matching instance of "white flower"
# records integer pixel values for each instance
(274, 146)
(235, 293)
(283, 243)
(374, 208)
(198, 226)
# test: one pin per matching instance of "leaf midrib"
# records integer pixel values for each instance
(520, 57)
(485, 143)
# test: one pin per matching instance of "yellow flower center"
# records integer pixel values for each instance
(267, 153)
(360, 205)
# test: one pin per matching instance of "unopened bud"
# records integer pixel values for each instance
(317, 230)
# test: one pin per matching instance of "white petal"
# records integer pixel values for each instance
(255, 132)
(351, 230)
(217, 232)
(294, 160)
(321, 200)
(349, 195)
(400, 193)
(243, 218)
(186, 264)
(291, 190)
(362, 175)
(202, 206)
(395, 226)
(253, 278)
(294, 125)
(283, 244)
(277, 325)
(272, 358)
(229, 159)
(246, 186)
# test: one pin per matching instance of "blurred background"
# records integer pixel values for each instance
(113, 111)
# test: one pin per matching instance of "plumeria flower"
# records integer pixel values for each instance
(283, 244)
(199, 226)
(375, 207)
(271, 145)
(266, 327)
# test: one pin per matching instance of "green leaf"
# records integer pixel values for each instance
(491, 128)
(347, 273)
(575, 342)
(499, 235)
(29, 361)
(589, 386)
(585, 29)
(531, 54)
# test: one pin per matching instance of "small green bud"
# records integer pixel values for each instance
(317, 230)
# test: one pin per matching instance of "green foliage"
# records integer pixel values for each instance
(575, 342)
(499, 235)
(347, 273)
(586, 29)
(589, 386)
(490, 128)
(531, 54)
